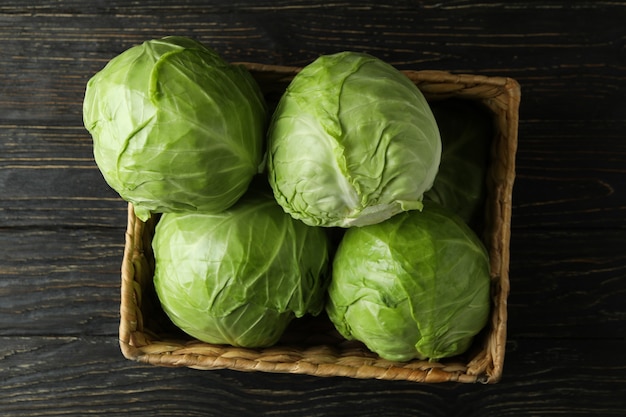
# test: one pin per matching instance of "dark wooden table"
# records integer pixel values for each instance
(62, 228)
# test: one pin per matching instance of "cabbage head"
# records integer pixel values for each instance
(414, 286)
(240, 276)
(466, 132)
(352, 142)
(175, 127)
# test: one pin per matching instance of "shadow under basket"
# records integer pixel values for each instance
(311, 345)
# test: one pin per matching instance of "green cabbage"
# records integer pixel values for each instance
(175, 127)
(466, 132)
(240, 276)
(352, 142)
(414, 286)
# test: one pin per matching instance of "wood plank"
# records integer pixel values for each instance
(568, 283)
(542, 377)
(48, 177)
(60, 281)
(570, 174)
(550, 50)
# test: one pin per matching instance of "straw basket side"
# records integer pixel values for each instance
(312, 346)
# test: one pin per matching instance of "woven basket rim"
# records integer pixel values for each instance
(500, 94)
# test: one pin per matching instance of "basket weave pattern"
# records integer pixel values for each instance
(311, 345)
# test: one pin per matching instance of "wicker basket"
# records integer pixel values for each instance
(311, 345)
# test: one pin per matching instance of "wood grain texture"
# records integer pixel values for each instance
(549, 46)
(552, 376)
(570, 174)
(60, 281)
(62, 227)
